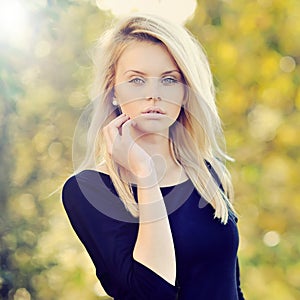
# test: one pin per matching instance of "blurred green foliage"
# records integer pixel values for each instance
(254, 51)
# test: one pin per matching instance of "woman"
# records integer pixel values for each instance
(151, 202)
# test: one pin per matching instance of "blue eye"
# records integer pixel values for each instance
(169, 81)
(137, 81)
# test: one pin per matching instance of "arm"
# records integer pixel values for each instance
(154, 245)
(110, 243)
(239, 291)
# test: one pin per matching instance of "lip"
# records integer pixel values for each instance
(153, 110)
(152, 116)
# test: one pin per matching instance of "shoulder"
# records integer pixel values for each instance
(85, 188)
(83, 180)
(93, 191)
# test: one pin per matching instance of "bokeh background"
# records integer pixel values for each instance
(45, 73)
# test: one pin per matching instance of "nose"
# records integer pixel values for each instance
(154, 98)
(153, 90)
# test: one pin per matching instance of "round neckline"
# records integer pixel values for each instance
(161, 187)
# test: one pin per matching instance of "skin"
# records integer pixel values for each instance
(148, 77)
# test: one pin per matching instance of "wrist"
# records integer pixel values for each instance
(145, 175)
(142, 169)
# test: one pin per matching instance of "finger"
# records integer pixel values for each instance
(112, 129)
(126, 128)
(112, 132)
(117, 122)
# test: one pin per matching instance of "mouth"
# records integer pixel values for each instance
(153, 110)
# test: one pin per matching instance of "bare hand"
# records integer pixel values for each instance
(124, 149)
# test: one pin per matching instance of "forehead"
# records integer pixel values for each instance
(148, 57)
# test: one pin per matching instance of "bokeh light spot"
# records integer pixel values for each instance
(287, 64)
(55, 150)
(271, 238)
(26, 205)
(263, 122)
(22, 294)
(177, 11)
(13, 20)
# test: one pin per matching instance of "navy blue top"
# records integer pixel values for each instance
(206, 250)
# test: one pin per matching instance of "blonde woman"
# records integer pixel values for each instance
(151, 201)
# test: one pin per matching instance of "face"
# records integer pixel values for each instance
(149, 86)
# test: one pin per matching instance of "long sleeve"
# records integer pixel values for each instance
(218, 181)
(238, 284)
(110, 241)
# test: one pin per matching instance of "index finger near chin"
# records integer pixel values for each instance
(112, 129)
(126, 128)
(118, 121)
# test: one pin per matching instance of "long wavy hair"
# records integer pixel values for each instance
(196, 138)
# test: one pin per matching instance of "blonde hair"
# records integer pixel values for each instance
(194, 137)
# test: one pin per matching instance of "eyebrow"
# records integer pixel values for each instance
(142, 73)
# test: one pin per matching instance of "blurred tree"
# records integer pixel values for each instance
(254, 52)
(253, 47)
(9, 87)
(43, 86)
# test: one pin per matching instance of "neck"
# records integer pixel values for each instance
(157, 145)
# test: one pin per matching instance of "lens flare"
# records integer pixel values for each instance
(13, 20)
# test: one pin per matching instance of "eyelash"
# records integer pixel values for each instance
(166, 80)
(137, 81)
(170, 80)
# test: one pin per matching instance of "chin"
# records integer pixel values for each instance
(152, 126)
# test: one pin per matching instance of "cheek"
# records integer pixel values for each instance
(174, 111)
(127, 92)
(131, 109)
(173, 94)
